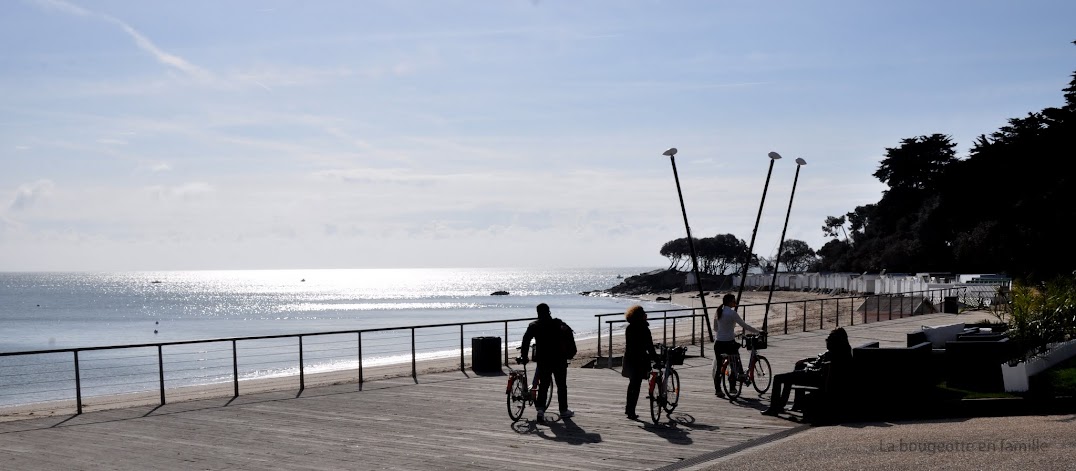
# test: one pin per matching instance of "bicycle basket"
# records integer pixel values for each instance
(755, 343)
(677, 355)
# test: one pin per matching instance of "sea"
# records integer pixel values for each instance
(66, 310)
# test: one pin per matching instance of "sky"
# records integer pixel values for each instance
(277, 134)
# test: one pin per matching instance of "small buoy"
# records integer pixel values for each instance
(155, 331)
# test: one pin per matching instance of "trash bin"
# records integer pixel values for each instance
(486, 354)
(951, 306)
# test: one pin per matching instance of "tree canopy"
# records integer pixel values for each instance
(998, 210)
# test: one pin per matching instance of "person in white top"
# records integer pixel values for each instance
(725, 342)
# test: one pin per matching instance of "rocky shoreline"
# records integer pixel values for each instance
(665, 281)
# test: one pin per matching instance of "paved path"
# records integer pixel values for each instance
(445, 421)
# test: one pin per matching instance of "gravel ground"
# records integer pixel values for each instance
(981, 443)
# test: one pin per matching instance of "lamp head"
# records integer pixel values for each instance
(774, 155)
(800, 161)
(671, 152)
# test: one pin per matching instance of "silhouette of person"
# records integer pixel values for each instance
(638, 355)
(725, 341)
(827, 370)
(554, 365)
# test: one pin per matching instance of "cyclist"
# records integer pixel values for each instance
(725, 342)
(547, 331)
(638, 355)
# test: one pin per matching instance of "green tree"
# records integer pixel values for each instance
(796, 255)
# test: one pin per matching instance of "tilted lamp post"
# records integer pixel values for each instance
(750, 248)
(780, 245)
(691, 243)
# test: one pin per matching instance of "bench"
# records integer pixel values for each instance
(965, 357)
(880, 381)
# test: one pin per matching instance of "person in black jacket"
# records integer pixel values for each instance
(828, 371)
(638, 355)
(554, 365)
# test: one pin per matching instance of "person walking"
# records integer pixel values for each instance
(638, 355)
(725, 342)
(548, 331)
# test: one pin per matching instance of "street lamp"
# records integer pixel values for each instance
(750, 248)
(780, 245)
(691, 243)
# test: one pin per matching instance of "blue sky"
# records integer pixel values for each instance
(153, 135)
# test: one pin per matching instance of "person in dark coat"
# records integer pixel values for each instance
(638, 356)
(554, 365)
(829, 371)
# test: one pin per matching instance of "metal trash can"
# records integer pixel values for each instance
(486, 354)
(951, 305)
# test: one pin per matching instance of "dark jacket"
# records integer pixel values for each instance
(638, 350)
(547, 332)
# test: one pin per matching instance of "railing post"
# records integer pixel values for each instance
(674, 332)
(506, 343)
(609, 361)
(805, 315)
(890, 296)
(414, 365)
(665, 326)
(599, 336)
(786, 318)
(702, 346)
(78, 386)
(360, 359)
(693, 317)
(160, 370)
(865, 299)
(235, 370)
(302, 378)
(852, 310)
(463, 367)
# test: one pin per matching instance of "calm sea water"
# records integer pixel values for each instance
(42, 311)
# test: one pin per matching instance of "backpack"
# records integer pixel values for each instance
(567, 341)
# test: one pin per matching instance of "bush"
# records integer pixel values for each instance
(1041, 315)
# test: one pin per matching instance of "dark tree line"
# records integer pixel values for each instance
(1004, 208)
(724, 254)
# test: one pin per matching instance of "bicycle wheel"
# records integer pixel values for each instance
(729, 383)
(517, 398)
(672, 390)
(657, 400)
(763, 376)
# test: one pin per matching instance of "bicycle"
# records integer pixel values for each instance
(664, 385)
(519, 395)
(758, 373)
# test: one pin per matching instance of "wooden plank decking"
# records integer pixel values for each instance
(444, 421)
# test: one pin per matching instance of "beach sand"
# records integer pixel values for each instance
(587, 353)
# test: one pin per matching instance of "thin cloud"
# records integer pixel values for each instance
(182, 192)
(140, 40)
(28, 194)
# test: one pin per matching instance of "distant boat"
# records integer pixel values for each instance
(619, 277)
(304, 279)
(155, 281)
(499, 293)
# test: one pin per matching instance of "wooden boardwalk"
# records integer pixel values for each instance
(442, 421)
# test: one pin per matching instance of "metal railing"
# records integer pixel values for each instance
(58, 375)
(830, 311)
(44, 374)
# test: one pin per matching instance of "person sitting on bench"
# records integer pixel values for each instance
(825, 370)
